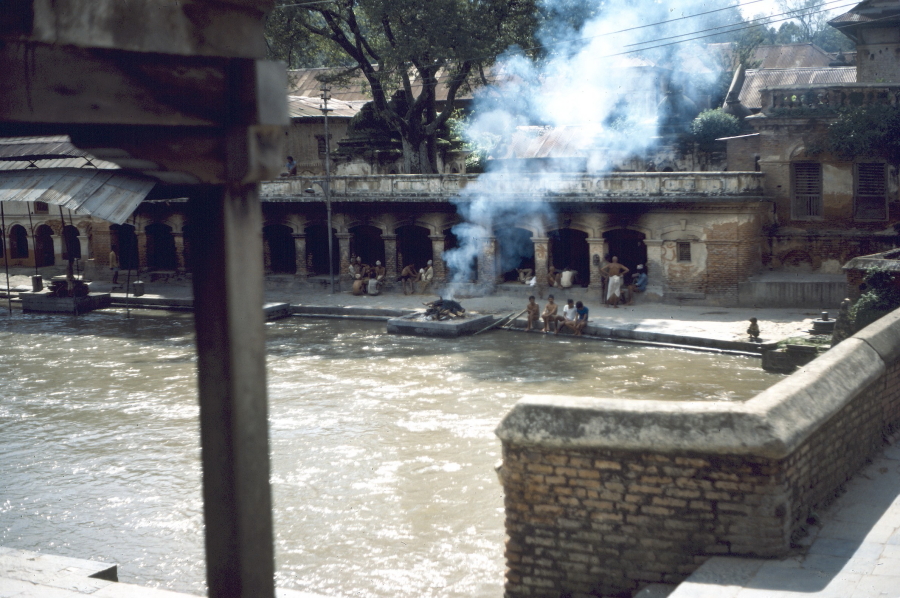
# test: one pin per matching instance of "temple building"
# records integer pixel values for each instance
(702, 225)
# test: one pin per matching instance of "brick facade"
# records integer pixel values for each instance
(602, 521)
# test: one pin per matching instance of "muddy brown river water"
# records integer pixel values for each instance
(383, 450)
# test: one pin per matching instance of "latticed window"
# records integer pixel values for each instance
(870, 192)
(41, 207)
(806, 186)
(320, 139)
(684, 251)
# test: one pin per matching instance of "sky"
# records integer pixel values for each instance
(766, 7)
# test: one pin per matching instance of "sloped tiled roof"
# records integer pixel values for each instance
(758, 79)
(789, 56)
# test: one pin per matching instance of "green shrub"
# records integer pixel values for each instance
(714, 124)
(881, 297)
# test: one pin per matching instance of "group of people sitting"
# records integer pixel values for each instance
(614, 275)
(574, 316)
(368, 280)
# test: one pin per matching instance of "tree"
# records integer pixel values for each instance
(404, 48)
(289, 41)
(866, 132)
(810, 16)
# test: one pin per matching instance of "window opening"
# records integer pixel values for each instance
(684, 251)
(870, 196)
(807, 190)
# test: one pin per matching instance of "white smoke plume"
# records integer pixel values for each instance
(603, 104)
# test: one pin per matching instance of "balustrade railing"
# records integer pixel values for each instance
(550, 187)
(826, 99)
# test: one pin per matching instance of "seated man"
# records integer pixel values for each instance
(638, 283)
(553, 277)
(569, 315)
(531, 313)
(525, 274)
(581, 318)
(426, 275)
(567, 278)
(549, 314)
(379, 270)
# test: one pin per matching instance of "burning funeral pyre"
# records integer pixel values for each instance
(444, 309)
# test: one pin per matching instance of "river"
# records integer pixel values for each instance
(383, 450)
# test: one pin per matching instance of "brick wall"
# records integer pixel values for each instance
(605, 521)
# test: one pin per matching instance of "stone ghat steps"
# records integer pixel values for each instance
(26, 574)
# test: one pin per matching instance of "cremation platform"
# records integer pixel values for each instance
(417, 325)
(44, 302)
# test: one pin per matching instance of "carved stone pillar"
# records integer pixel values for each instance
(344, 251)
(142, 250)
(656, 273)
(390, 259)
(487, 262)
(541, 262)
(437, 252)
(300, 257)
(179, 251)
(596, 247)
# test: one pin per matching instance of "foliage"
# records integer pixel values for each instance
(866, 132)
(288, 41)
(714, 124)
(479, 148)
(405, 48)
(882, 296)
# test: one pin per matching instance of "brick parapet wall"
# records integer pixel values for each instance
(605, 521)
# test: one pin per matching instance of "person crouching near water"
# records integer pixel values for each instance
(532, 313)
(374, 285)
(549, 316)
(638, 283)
(753, 330)
(359, 285)
(615, 271)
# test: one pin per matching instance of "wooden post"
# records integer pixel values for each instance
(226, 253)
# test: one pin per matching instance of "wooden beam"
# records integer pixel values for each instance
(227, 28)
(42, 83)
(226, 249)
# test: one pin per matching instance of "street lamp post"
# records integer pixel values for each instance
(327, 187)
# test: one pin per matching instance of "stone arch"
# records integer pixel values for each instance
(627, 244)
(796, 258)
(569, 249)
(413, 245)
(367, 243)
(317, 248)
(123, 240)
(675, 232)
(797, 152)
(286, 222)
(161, 254)
(515, 250)
(18, 242)
(431, 228)
(71, 244)
(43, 246)
(280, 254)
(461, 266)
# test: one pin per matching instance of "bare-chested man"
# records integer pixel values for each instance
(615, 271)
(380, 271)
(549, 315)
(408, 279)
(532, 312)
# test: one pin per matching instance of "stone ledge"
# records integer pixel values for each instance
(772, 424)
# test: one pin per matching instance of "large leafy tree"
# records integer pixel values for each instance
(405, 48)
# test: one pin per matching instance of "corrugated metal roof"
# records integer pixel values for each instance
(758, 79)
(57, 151)
(546, 142)
(110, 195)
(310, 107)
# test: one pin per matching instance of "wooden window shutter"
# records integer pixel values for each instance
(806, 184)
(870, 192)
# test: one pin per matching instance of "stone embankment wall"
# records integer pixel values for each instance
(606, 495)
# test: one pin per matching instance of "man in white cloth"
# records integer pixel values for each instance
(615, 271)
(570, 312)
(425, 278)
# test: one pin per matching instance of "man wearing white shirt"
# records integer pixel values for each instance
(570, 312)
